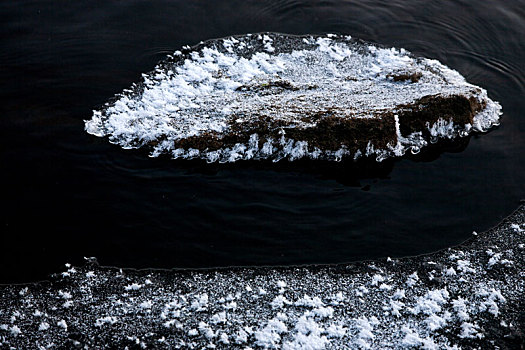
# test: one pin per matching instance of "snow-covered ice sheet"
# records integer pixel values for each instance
(469, 296)
(254, 96)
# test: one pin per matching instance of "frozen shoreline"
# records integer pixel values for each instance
(468, 296)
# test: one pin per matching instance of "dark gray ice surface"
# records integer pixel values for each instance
(469, 296)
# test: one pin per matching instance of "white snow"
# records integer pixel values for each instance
(105, 320)
(43, 326)
(133, 286)
(412, 279)
(376, 279)
(62, 324)
(15, 331)
(270, 335)
(470, 330)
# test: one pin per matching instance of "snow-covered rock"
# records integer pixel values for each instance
(275, 96)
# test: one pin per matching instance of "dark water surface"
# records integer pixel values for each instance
(67, 194)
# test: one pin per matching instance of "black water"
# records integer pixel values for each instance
(66, 194)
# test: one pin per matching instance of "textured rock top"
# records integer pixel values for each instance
(274, 96)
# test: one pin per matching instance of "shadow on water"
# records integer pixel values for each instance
(347, 172)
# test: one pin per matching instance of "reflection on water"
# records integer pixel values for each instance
(71, 195)
(347, 172)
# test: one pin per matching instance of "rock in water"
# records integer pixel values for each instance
(275, 96)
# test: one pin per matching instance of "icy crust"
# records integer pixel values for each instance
(470, 296)
(203, 102)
